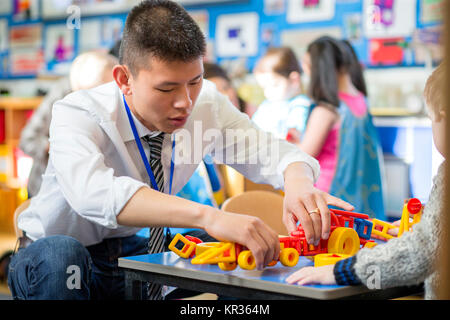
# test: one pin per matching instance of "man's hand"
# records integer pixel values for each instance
(305, 204)
(310, 275)
(246, 230)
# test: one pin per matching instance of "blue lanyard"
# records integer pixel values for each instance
(144, 156)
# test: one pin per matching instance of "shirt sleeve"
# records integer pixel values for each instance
(87, 183)
(255, 153)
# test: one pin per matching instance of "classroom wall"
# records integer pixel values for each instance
(46, 37)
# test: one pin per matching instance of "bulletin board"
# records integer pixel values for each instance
(43, 37)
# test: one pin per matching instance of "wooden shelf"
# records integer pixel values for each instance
(16, 103)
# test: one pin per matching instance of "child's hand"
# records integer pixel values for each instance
(309, 275)
(293, 136)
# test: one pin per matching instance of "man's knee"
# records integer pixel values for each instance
(55, 267)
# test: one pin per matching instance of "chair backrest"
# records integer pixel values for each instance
(17, 213)
(266, 205)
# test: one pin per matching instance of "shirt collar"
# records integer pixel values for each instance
(124, 126)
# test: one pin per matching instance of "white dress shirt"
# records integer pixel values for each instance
(95, 166)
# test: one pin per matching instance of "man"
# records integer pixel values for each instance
(108, 145)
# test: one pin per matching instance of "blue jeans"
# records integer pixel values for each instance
(60, 267)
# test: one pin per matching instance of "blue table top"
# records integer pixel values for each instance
(270, 278)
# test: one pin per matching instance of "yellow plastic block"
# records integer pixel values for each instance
(227, 266)
(216, 254)
(370, 244)
(289, 257)
(246, 260)
(324, 259)
(386, 226)
(187, 249)
(343, 241)
(405, 225)
(202, 247)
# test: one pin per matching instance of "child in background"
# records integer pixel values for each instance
(278, 73)
(88, 70)
(411, 259)
(339, 132)
(216, 74)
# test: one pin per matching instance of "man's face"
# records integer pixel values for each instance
(164, 94)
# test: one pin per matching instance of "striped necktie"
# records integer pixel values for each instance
(157, 238)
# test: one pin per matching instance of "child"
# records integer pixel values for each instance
(88, 70)
(410, 259)
(339, 131)
(278, 73)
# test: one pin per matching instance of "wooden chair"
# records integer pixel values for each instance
(235, 183)
(17, 213)
(266, 205)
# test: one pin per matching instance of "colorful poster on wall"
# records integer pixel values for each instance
(237, 35)
(427, 45)
(389, 18)
(353, 27)
(25, 55)
(25, 10)
(269, 34)
(26, 61)
(388, 52)
(299, 40)
(431, 11)
(299, 11)
(59, 48)
(273, 7)
(26, 35)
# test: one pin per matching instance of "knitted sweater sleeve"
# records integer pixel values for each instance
(407, 260)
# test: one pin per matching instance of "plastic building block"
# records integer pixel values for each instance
(343, 241)
(385, 227)
(413, 207)
(225, 252)
(289, 257)
(186, 250)
(202, 247)
(363, 228)
(246, 260)
(370, 244)
(227, 266)
(324, 259)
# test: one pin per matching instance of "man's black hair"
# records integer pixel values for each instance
(161, 29)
